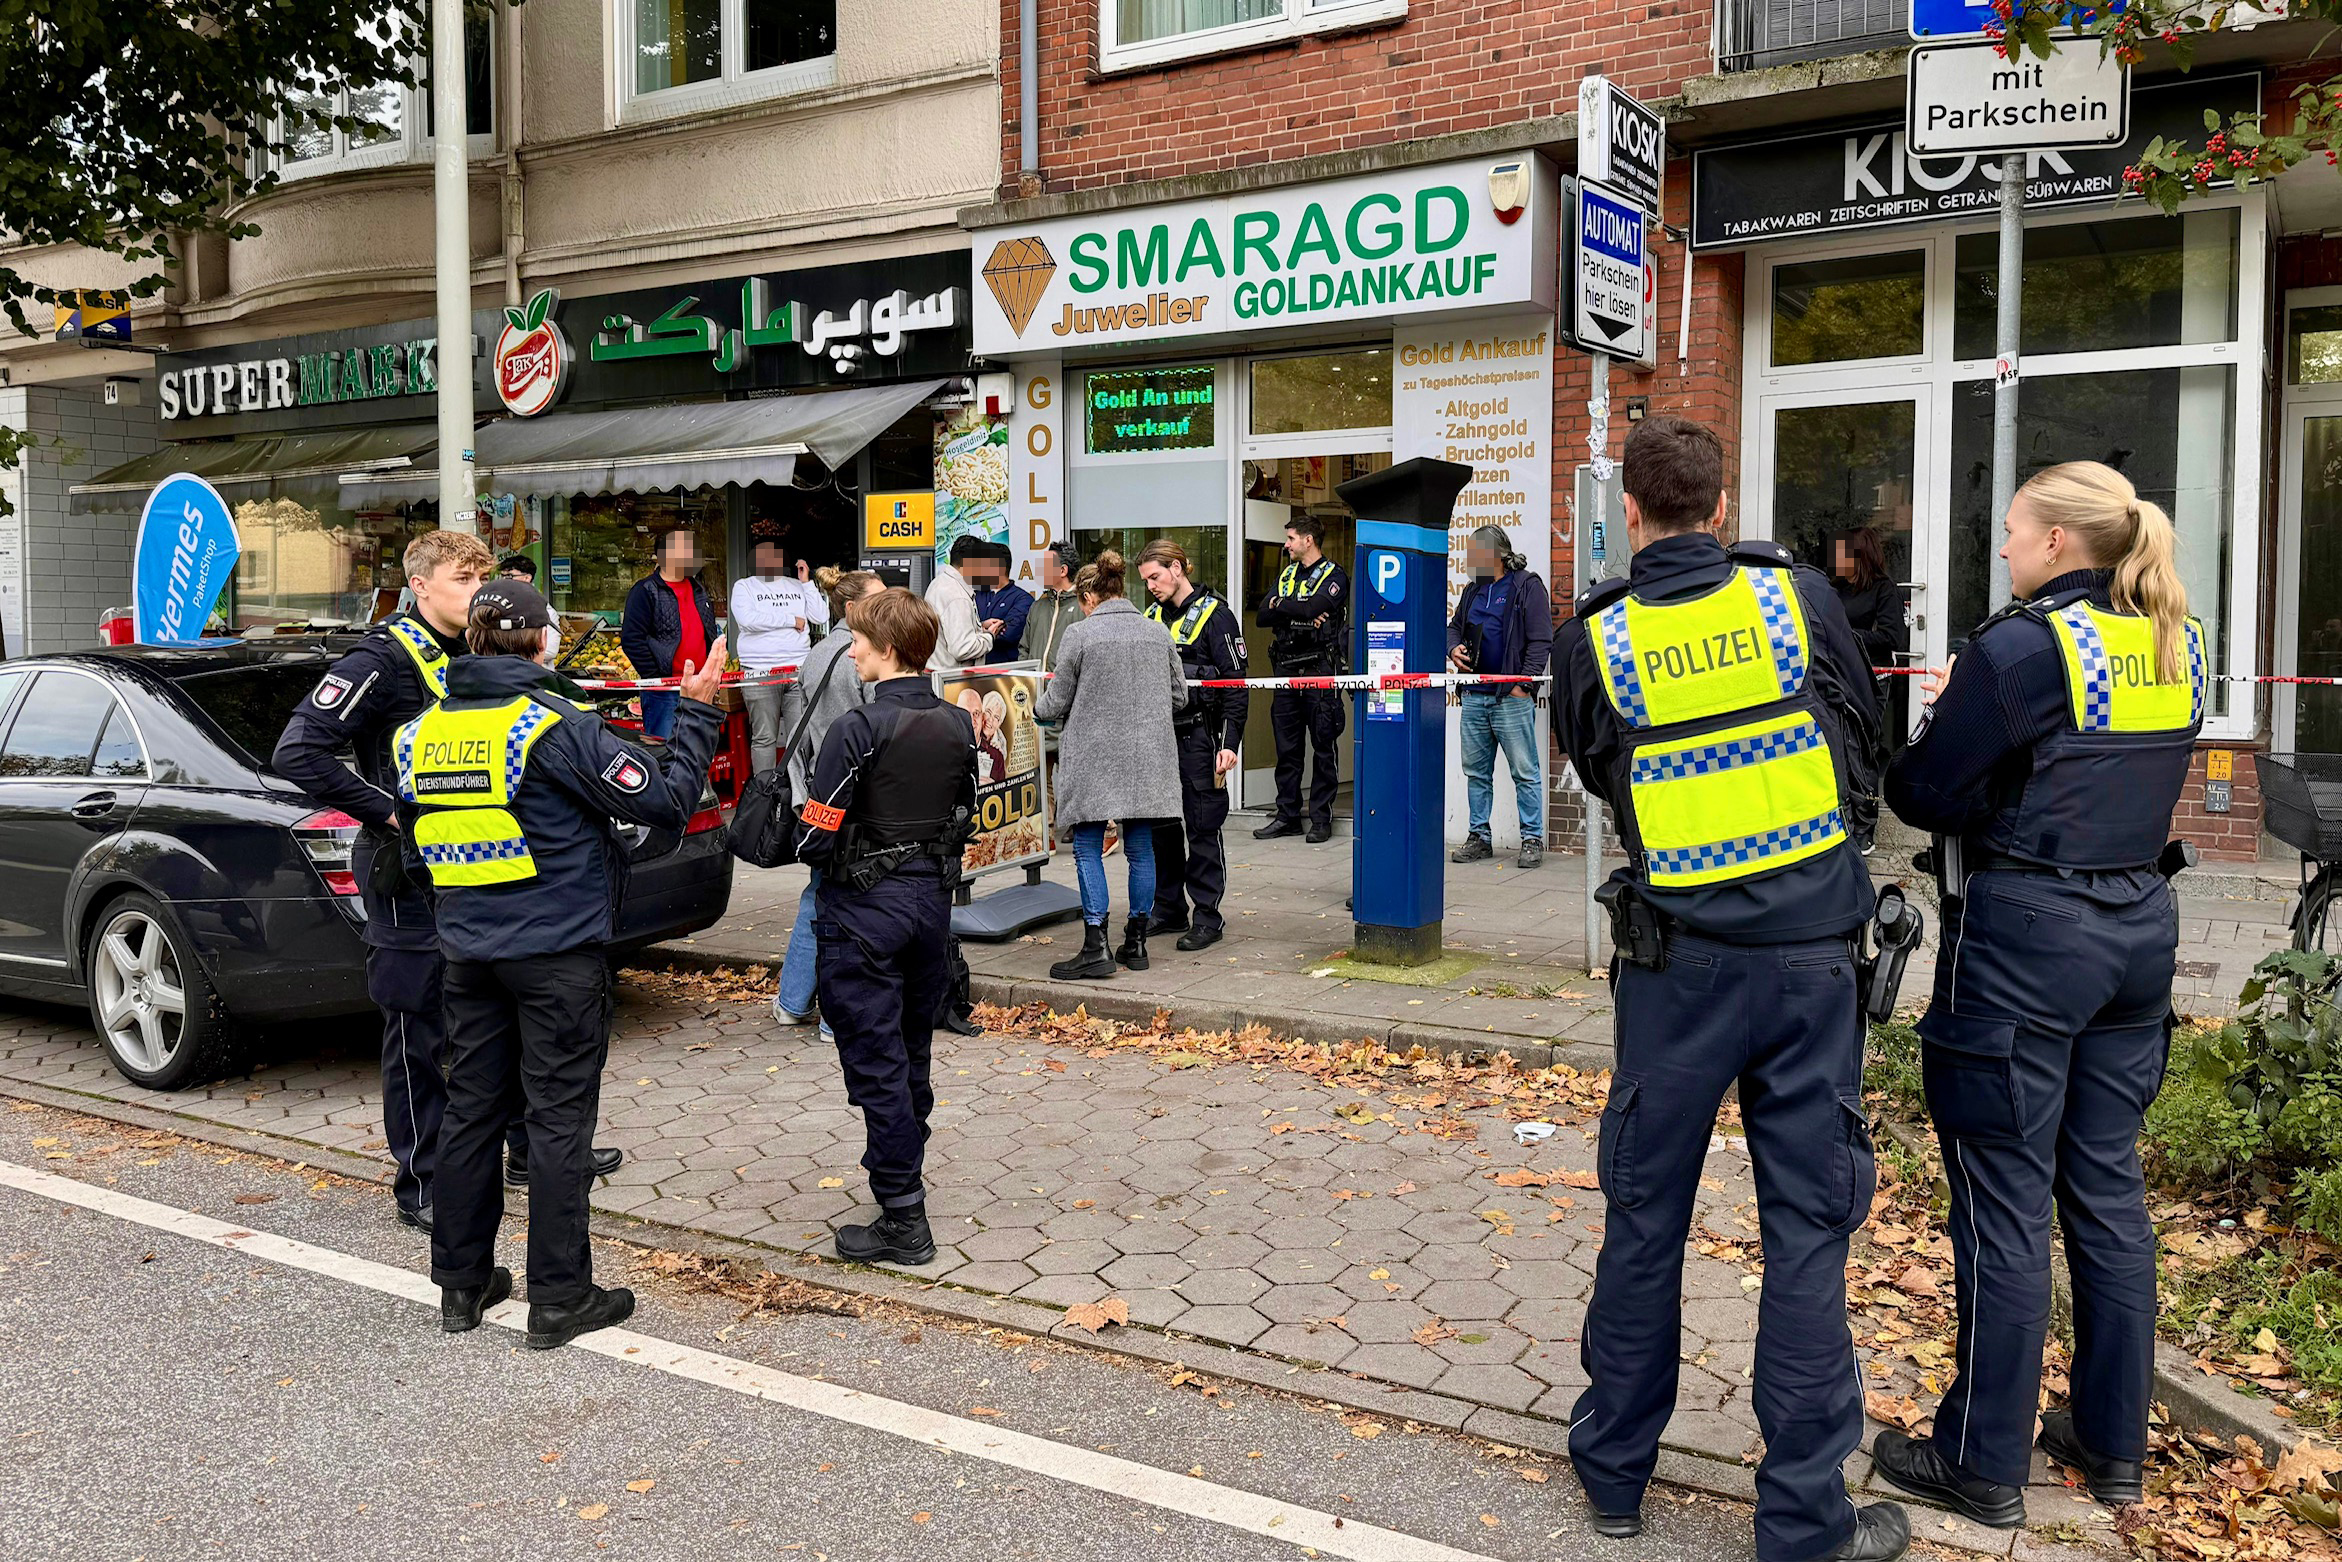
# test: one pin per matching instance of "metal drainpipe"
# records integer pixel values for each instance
(1028, 65)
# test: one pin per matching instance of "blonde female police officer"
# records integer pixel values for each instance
(507, 792)
(2053, 756)
(1717, 700)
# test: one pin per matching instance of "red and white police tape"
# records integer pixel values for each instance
(1371, 683)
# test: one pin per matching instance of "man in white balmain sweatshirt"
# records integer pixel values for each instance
(774, 614)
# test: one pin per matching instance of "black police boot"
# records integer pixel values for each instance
(897, 1236)
(1319, 833)
(2115, 1482)
(1618, 1526)
(1277, 829)
(1133, 952)
(419, 1217)
(550, 1328)
(1093, 964)
(1168, 921)
(1882, 1532)
(602, 1160)
(1200, 937)
(1917, 1467)
(462, 1306)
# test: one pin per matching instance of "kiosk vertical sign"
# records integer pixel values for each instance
(187, 548)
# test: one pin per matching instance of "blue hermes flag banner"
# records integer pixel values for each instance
(187, 549)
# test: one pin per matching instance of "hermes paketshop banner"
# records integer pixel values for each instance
(1407, 242)
(1012, 805)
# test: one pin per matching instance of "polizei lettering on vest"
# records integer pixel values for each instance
(447, 753)
(1706, 654)
(2131, 669)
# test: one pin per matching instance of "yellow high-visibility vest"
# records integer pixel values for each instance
(460, 768)
(429, 658)
(2111, 672)
(1729, 772)
(1191, 623)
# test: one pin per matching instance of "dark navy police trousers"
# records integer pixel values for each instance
(885, 966)
(2044, 1044)
(1780, 1022)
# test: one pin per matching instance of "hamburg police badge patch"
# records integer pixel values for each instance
(331, 690)
(626, 773)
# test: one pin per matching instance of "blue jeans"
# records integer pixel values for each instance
(1089, 861)
(658, 712)
(1493, 717)
(797, 966)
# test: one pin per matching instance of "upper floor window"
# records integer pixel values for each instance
(1138, 33)
(680, 56)
(394, 124)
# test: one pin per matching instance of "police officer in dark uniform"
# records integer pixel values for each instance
(1718, 701)
(2047, 768)
(886, 817)
(507, 792)
(1190, 863)
(1308, 618)
(396, 673)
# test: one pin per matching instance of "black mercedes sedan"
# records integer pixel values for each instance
(152, 866)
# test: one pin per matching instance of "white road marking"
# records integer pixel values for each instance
(1185, 1494)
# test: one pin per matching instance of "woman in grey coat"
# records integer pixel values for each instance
(832, 694)
(1116, 683)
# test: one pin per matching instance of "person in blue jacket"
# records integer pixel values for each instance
(2047, 768)
(669, 619)
(509, 792)
(1503, 623)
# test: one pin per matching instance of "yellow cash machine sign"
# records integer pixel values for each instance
(1729, 773)
(898, 521)
(460, 769)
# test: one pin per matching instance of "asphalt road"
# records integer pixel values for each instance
(174, 1388)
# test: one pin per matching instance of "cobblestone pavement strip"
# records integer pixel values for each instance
(1369, 1248)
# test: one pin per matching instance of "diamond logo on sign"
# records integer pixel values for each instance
(1018, 274)
(1608, 306)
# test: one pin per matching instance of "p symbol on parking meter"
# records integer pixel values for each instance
(1390, 576)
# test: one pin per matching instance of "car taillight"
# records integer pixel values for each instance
(327, 837)
(709, 818)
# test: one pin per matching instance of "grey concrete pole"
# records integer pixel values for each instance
(452, 252)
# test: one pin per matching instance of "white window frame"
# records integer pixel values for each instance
(1298, 19)
(412, 144)
(2297, 404)
(735, 85)
(2245, 352)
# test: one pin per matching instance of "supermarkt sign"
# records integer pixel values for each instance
(1446, 239)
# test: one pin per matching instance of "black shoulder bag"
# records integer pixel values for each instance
(764, 825)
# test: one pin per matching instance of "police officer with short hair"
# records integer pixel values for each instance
(2048, 767)
(1308, 617)
(1718, 701)
(508, 790)
(1190, 863)
(886, 817)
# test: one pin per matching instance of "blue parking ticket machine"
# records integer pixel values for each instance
(1400, 612)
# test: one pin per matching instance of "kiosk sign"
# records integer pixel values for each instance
(1622, 144)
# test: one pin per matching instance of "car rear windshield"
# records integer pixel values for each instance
(251, 705)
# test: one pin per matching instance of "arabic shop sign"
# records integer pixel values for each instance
(299, 377)
(1401, 243)
(900, 318)
(1841, 180)
(1130, 410)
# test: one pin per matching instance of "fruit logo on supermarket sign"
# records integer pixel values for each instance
(532, 356)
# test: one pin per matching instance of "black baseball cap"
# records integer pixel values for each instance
(510, 604)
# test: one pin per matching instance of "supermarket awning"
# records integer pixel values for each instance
(306, 467)
(645, 449)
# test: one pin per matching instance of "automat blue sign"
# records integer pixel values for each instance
(187, 549)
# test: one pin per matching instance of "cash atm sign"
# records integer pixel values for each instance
(905, 521)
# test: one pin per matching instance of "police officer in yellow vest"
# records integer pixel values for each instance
(1190, 863)
(2047, 768)
(508, 789)
(1717, 700)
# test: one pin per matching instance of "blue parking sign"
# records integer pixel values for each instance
(1951, 18)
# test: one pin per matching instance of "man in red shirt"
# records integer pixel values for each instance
(668, 624)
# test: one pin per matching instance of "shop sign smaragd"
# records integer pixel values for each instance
(1408, 242)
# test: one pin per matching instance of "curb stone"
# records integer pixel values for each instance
(1103, 1002)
